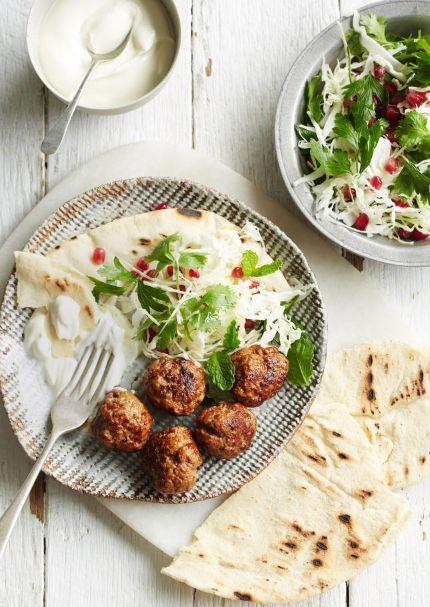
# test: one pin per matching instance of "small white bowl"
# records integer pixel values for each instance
(37, 15)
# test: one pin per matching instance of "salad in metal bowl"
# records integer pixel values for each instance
(366, 137)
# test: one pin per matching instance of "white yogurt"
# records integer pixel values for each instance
(64, 314)
(71, 27)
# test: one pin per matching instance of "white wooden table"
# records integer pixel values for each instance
(67, 550)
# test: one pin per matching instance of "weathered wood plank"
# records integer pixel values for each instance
(21, 184)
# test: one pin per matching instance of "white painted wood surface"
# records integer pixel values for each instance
(67, 550)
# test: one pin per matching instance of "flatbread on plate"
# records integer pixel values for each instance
(317, 516)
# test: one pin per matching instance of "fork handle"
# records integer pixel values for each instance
(9, 518)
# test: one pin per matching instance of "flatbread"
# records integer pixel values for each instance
(314, 518)
(386, 387)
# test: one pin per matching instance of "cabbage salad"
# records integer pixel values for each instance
(366, 138)
(204, 303)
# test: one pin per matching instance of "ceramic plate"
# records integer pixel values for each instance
(78, 460)
(403, 18)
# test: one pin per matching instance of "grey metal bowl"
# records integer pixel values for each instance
(404, 17)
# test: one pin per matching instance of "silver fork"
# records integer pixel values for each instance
(71, 409)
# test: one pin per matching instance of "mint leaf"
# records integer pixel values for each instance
(413, 131)
(219, 296)
(300, 358)
(314, 98)
(268, 268)
(192, 260)
(163, 252)
(411, 181)
(249, 262)
(221, 370)
(333, 164)
(231, 339)
(102, 288)
(167, 334)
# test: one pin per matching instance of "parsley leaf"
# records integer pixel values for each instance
(353, 43)
(368, 141)
(375, 26)
(219, 296)
(116, 272)
(314, 99)
(231, 339)
(344, 128)
(151, 298)
(192, 260)
(221, 370)
(362, 90)
(300, 358)
(411, 181)
(163, 252)
(305, 133)
(413, 131)
(105, 287)
(420, 65)
(167, 334)
(333, 164)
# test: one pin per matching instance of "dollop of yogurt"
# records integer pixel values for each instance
(73, 29)
(37, 339)
(64, 314)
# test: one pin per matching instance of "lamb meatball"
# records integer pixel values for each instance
(175, 385)
(123, 421)
(260, 373)
(171, 459)
(226, 429)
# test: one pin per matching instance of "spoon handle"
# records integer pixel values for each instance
(55, 135)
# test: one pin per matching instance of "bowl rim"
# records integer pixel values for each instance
(91, 194)
(376, 248)
(175, 19)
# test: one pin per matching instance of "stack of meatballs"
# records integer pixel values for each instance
(172, 457)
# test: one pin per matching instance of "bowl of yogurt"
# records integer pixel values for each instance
(61, 34)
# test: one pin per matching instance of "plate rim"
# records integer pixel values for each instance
(322, 352)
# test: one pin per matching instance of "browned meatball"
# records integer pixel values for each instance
(175, 385)
(171, 459)
(123, 421)
(260, 373)
(225, 430)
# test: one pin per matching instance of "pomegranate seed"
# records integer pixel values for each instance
(418, 235)
(347, 103)
(254, 284)
(99, 255)
(415, 98)
(182, 288)
(371, 121)
(237, 272)
(392, 165)
(379, 72)
(249, 324)
(348, 193)
(403, 234)
(390, 86)
(396, 99)
(391, 137)
(151, 333)
(161, 206)
(376, 182)
(170, 271)
(142, 265)
(194, 273)
(392, 114)
(163, 350)
(151, 273)
(361, 222)
(400, 203)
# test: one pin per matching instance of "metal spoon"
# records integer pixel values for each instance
(55, 136)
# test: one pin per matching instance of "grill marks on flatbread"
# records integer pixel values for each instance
(386, 387)
(311, 520)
